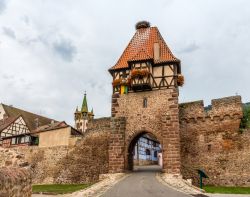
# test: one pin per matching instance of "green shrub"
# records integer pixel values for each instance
(245, 121)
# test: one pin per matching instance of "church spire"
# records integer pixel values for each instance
(84, 104)
(92, 112)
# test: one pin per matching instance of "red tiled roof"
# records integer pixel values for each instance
(141, 47)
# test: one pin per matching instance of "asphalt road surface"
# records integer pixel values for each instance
(142, 183)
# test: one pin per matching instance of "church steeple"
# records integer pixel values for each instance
(84, 104)
(83, 115)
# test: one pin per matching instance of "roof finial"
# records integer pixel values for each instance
(76, 108)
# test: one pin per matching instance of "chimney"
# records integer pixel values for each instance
(156, 51)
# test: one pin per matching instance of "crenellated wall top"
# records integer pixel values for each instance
(219, 109)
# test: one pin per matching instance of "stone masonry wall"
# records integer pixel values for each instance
(210, 140)
(116, 145)
(15, 182)
(159, 118)
(80, 163)
(42, 162)
(98, 125)
(86, 161)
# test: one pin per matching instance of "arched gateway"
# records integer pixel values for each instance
(145, 99)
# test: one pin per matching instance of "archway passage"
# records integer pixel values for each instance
(145, 153)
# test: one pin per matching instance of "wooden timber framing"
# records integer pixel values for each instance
(16, 128)
(160, 76)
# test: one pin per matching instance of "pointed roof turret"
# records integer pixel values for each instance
(141, 47)
(76, 109)
(84, 104)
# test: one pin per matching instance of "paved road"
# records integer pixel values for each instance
(142, 183)
(228, 195)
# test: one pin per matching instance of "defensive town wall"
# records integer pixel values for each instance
(15, 182)
(42, 162)
(98, 125)
(81, 163)
(211, 140)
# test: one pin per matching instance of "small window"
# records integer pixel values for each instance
(145, 102)
(27, 139)
(13, 141)
(209, 146)
(147, 152)
(18, 140)
(155, 153)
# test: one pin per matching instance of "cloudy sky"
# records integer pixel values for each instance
(52, 51)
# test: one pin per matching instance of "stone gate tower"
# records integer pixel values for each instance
(145, 99)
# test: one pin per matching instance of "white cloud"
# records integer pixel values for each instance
(63, 48)
(2, 6)
(9, 32)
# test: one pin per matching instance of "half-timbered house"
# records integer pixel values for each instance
(146, 150)
(16, 126)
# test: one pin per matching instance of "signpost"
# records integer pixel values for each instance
(202, 175)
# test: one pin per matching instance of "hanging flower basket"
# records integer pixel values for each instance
(116, 82)
(136, 73)
(126, 82)
(180, 80)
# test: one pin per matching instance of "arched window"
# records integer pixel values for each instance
(155, 153)
(145, 102)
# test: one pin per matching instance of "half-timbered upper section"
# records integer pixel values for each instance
(17, 125)
(147, 63)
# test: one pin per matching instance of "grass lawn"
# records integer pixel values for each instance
(227, 190)
(58, 188)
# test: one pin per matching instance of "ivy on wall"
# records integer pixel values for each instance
(245, 121)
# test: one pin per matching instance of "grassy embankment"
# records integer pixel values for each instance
(227, 190)
(58, 188)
